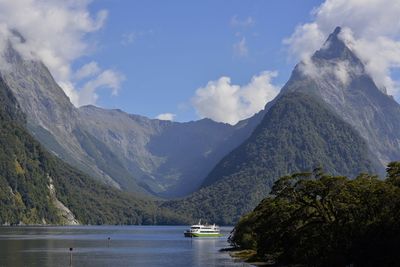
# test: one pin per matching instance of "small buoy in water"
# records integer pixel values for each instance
(108, 242)
(70, 256)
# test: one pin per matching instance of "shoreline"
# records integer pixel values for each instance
(245, 255)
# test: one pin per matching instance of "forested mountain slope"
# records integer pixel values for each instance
(298, 133)
(129, 152)
(38, 188)
(338, 76)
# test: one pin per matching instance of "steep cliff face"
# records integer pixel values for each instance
(51, 117)
(24, 196)
(167, 158)
(38, 188)
(337, 75)
(129, 152)
(27, 192)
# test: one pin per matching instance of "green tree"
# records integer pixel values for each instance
(315, 219)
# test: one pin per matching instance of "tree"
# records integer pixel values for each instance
(316, 219)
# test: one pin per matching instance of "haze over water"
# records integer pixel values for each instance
(128, 246)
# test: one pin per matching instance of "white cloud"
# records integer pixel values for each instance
(128, 38)
(106, 79)
(55, 33)
(341, 70)
(240, 48)
(166, 116)
(70, 91)
(371, 29)
(87, 70)
(223, 101)
(305, 40)
(247, 22)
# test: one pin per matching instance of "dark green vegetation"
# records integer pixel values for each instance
(27, 171)
(297, 133)
(373, 113)
(130, 152)
(315, 219)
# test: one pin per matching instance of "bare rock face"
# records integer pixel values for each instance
(66, 215)
(338, 76)
(168, 158)
(51, 116)
(126, 151)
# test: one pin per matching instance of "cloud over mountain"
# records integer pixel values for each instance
(223, 101)
(370, 27)
(166, 116)
(55, 32)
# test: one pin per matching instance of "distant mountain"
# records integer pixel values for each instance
(298, 133)
(167, 158)
(38, 188)
(126, 151)
(326, 115)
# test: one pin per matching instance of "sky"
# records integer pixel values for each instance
(168, 49)
(186, 60)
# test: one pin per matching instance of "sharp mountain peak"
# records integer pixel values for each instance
(335, 48)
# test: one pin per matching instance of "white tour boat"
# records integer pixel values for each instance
(201, 230)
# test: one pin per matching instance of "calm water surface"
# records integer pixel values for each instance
(128, 246)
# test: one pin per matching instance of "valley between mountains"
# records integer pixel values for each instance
(65, 165)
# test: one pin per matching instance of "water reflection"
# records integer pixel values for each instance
(203, 247)
(128, 246)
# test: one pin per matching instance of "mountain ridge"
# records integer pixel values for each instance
(298, 133)
(135, 144)
(330, 101)
(341, 80)
(317, 131)
(38, 188)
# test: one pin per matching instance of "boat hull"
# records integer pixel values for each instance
(188, 234)
(202, 235)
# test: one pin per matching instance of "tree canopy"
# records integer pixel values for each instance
(27, 171)
(315, 219)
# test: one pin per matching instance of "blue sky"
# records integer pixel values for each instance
(168, 49)
(191, 59)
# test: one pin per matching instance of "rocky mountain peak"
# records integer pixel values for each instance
(333, 68)
(337, 76)
(335, 48)
(9, 54)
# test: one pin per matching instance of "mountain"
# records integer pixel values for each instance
(320, 118)
(129, 152)
(336, 75)
(298, 133)
(38, 188)
(51, 117)
(167, 158)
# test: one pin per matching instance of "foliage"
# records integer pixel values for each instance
(26, 170)
(315, 219)
(22, 180)
(297, 133)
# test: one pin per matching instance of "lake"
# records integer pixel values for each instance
(128, 246)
